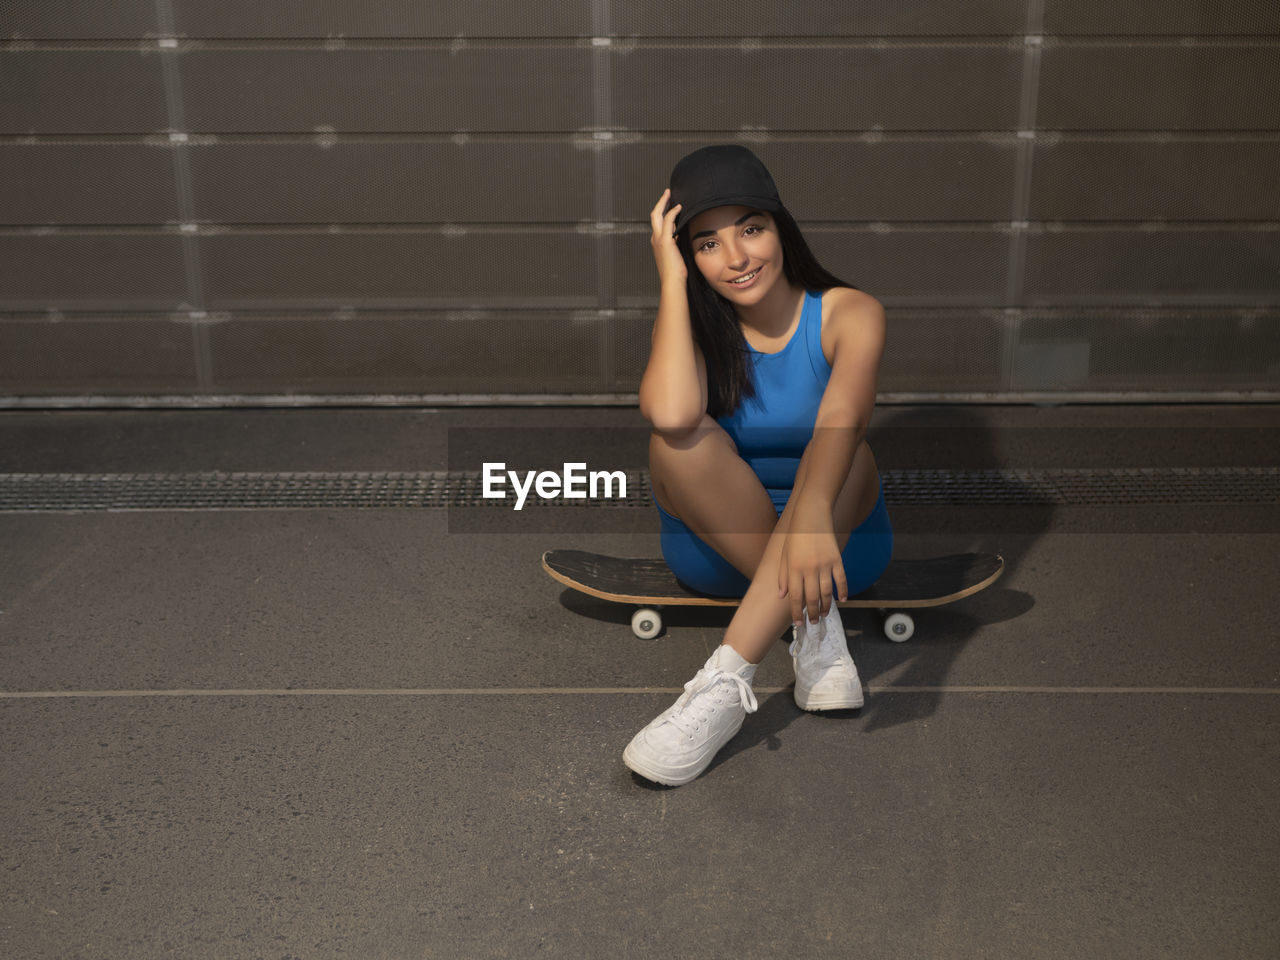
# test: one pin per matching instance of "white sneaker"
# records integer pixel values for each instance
(682, 741)
(826, 678)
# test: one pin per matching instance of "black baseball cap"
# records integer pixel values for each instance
(721, 176)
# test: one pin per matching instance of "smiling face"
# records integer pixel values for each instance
(738, 251)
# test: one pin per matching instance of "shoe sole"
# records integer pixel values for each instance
(673, 776)
(807, 700)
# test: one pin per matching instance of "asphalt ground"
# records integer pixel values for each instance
(381, 731)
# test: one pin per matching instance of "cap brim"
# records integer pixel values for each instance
(767, 204)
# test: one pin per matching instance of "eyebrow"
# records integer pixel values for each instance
(737, 223)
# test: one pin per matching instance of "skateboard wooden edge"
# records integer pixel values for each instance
(694, 601)
(936, 601)
(667, 601)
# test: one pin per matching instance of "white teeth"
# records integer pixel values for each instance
(748, 277)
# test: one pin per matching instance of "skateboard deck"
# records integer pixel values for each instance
(646, 583)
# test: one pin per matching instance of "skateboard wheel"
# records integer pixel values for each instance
(646, 623)
(899, 627)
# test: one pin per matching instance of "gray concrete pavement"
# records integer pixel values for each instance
(355, 733)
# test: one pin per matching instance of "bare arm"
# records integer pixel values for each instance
(858, 331)
(673, 390)
(812, 571)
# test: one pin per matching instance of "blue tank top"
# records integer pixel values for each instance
(772, 428)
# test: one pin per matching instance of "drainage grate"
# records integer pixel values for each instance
(1084, 487)
(54, 492)
(38, 492)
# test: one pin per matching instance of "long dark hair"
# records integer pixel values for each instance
(715, 325)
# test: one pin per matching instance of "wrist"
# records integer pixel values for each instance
(811, 501)
(811, 516)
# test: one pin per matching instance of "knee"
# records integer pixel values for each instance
(673, 441)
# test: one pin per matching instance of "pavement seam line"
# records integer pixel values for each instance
(606, 691)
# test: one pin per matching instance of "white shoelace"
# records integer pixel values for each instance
(819, 637)
(702, 683)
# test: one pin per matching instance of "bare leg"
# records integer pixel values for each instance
(762, 615)
(700, 478)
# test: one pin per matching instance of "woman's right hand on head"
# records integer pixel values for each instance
(665, 251)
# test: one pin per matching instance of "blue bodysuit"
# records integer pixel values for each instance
(771, 430)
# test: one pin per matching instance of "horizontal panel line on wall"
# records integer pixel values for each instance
(456, 45)
(320, 229)
(428, 314)
(620, 138)
(625, 44)
(425, 314)
(90, 401)
(460, 229)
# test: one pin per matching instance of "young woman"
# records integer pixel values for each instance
(759, 389)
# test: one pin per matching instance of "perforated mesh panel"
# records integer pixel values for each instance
(396, 198)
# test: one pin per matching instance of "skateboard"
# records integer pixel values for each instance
(650, 585)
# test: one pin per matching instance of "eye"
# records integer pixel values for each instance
(751, 229)
(706, 245)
